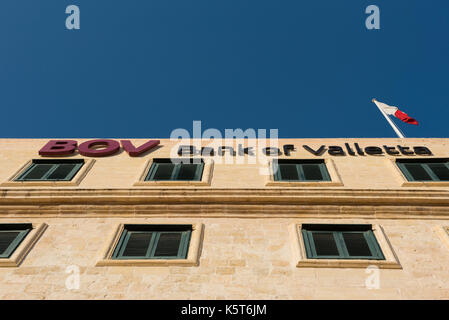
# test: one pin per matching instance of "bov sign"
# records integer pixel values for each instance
(108, 147)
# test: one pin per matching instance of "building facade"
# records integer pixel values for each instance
(249, 219)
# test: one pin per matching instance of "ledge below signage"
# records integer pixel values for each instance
(58, 200)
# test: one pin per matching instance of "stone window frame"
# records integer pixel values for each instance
(206, 177)
(25, 246)
(193, 253)
(331, 169)
(76, 180)
(402, 179)
(443, 233)
(301, 261)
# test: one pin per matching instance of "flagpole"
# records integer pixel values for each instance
(396, 129)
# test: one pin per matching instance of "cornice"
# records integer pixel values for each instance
(191, 196)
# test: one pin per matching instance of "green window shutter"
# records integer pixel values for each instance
(374, 245)
(6, 239)
(300, 170)
(11, 235)
(314, 172)
(405, 171)
(307, 235)
(161, 171)
(355, 244)
(276, 170)
(439, 170)
(167, 244)
(325, 244)
(336, 242)
(415, 172)
(324, 173)
(36, 172)
(153, 242)
(51, 170)
(64, 171)
(288, 172)
(311, 172)
(164, 169)
(189, 171)
(171, 245)
(137, 244)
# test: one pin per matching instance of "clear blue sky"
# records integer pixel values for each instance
(140, 69)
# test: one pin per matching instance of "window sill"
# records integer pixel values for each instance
(303, 184)
(171, 183)
(425, 184)
(146, 262)
(88, 163)
(25, 246)
(391, 260)
(193, 255)
(347, 263)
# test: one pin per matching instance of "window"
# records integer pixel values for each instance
(51, 170)
(153, 242)
(425, 170)
(163, 244)
(300, 170)
(181, 170)
(11, 235)
(340, 242)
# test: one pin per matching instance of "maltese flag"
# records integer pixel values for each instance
(395, 112)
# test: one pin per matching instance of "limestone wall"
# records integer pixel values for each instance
(240, 259)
